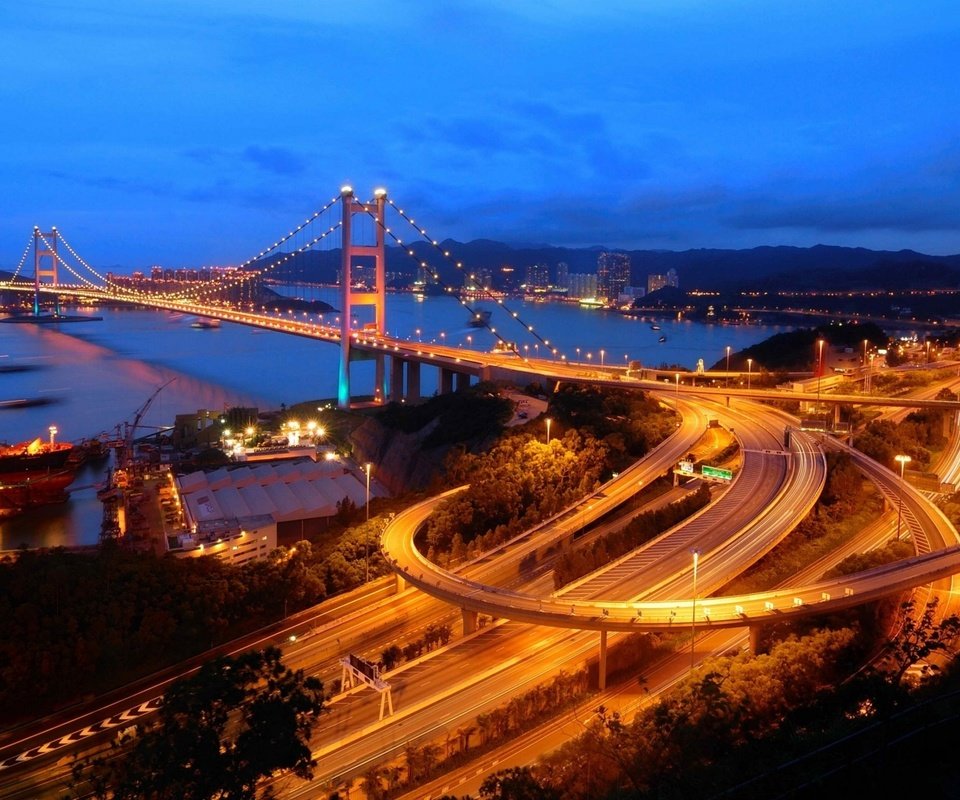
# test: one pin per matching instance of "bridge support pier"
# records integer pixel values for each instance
(463, 381)
(413, 381)
(379, 379)
(602, 673)
(836, 415)
(446, 380)
(396, 379)
(470, 619)
(401, 583)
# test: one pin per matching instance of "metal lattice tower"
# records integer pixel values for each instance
(44, 246)
(349, 297)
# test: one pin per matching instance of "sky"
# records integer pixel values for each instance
(197, 132)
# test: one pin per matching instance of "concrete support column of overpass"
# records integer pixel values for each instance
(396, 378)
(754, 637)
(470, 619)
(446, 380)
(836, 415)
(602, 673)
(401, 583)
(463, 381)
(413, 381)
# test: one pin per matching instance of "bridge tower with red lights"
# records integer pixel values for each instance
(45, 260)
(351, 296)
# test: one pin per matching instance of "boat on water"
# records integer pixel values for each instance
(591, 302)
(662, 339)
(205, 323)
(35, 473)
(480, 319)
(654, 327)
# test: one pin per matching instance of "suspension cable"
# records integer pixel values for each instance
(459, 265)
(23, 260)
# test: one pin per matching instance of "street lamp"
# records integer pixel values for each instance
(601, 359)
(904, 460)
(53, 432)
(676, 376)
(819, 369)
(366, 532)
(749, 372)
(548, 429)
(578, 355)
(693, 617)
(727, 382)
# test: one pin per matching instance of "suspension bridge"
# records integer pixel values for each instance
(361, 229)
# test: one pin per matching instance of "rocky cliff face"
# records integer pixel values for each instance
(402, 464)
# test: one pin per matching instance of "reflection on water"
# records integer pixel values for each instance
(98, 374)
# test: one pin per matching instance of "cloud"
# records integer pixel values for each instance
(278, 160)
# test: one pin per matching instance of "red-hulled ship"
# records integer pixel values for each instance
(34, 473)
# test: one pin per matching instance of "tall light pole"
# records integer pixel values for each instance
(366, 533)
(904, 460)
(727, 382)
(693, 616)
(749, 372)
(53, 432)
(601, 359)
(676, 377)
(548, 429)
(819, 370)
(865, 341)
(578, 355)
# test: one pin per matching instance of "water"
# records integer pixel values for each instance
(97, 375)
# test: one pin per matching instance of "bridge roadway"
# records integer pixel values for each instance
(939, 557)
(491, 365)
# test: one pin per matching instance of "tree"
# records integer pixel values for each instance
(218, 733)
(920, 637)
(516, 783)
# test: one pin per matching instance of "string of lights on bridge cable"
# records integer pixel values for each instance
(459, 266)
(23, 258)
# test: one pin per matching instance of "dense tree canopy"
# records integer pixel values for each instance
(217, 734)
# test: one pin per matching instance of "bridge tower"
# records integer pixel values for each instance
(44, 246)
(349, 297)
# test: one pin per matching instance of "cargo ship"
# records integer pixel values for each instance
(34, 473)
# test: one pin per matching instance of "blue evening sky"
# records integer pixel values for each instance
(190, 132)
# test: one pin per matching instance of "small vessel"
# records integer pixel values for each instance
(34, 473)
(654, 327)
(480, 319)
(205, 323)
(662, 339)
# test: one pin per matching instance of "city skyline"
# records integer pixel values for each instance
(195, 135)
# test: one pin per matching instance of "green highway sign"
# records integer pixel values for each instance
(716, 472)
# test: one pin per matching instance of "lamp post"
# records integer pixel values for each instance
(601, 359)
(578, 355)
(366, 533)
(749, 372)
(727, 382)
(693, 614)
(904, 460)
(819, 370)
(676, 377)
(53, 432)
(548, 429)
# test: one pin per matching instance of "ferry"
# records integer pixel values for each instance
(205, 323)
(591, 302)
(480, 319)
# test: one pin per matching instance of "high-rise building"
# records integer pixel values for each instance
(538, 276)
(563, 275)
(613, 274)
(582, 284)
(655, 282)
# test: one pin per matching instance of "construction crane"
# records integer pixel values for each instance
(131, 428)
